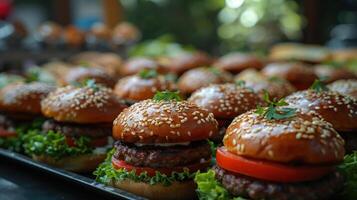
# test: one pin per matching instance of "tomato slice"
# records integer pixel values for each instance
(6, 133)
(100, 142)
(269, 171)
(119, 164)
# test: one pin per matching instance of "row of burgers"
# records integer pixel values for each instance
(280, 132)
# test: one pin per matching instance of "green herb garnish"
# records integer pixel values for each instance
(91, 83)
(240, 83)
(209, 188)
(148, 73)
(54, 145)
(106, 174)
(275, 109)
(215, 71)
(318, 86)
(167, 96)
(349, 170)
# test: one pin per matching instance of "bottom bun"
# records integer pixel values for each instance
(80, 163)
(177, 190)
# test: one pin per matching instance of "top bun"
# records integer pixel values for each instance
(153, 121)
(339, 110)
(237, 62)
(137, 64)
(301, 139)
(301, 76)
(345, 87)
(330, 74)
(24, 98)
(226, 101)
(89, 104)
(180, 63)
(197, 78)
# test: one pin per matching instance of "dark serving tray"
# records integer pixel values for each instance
(78, 179)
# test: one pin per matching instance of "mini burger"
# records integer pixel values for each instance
(345, 87)
(276, 87)
(276, 153)
(161, 143)
(136, 64)
(20, 108)
(301, 76)
(142, 86)
(330, 74)
(78, 133)
(181, 62)
(225, 101)
(79, 75)
(339, 110)
(197, 78)
(237, 62)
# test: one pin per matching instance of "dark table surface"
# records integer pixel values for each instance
(20, 182)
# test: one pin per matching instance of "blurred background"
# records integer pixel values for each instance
(216, 26)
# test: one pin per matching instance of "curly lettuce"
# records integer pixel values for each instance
(349, 169)
(54, 145)
(106, 174)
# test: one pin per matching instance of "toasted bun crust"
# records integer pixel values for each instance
(299, 75)
(277, 88)
(135, 65)
(237, 62)
(180, 63)
(136, 88)
(81, 74)
(176, 191)
(226, 101)
(331, 74)
(80, 163)
(24, 98)
(82, 105)
(345, 87)
(197, 78)
(339, 110)
(304, 138)
(152, 121)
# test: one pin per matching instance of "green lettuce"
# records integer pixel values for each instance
(105, 173)
(209, 188)
(349, 169)
(54, 145)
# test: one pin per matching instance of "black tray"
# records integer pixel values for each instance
(70, 176)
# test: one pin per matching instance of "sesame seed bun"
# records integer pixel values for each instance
(180, 63)
(226, 101)
(345, 87)
(237, 62)
(153, 121)
(81, 74)
(301, 76)
(177, 190)
(24, 98)
(339, 110)
(82, 105)
(277, 88)
(330, 74)
(136, 88)
(80, 163)
(135, 65)
(197, 78)
(304, 139)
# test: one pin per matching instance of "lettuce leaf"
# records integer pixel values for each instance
(349, 169)
(54, 145)
(105, 174)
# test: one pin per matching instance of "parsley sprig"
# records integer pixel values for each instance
(148, 73)
(275, 110)
(167, 96)
(318, 86)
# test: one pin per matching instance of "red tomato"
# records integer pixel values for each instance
(93, 143)
(119, 164)
(6, 133)
(269, 171)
